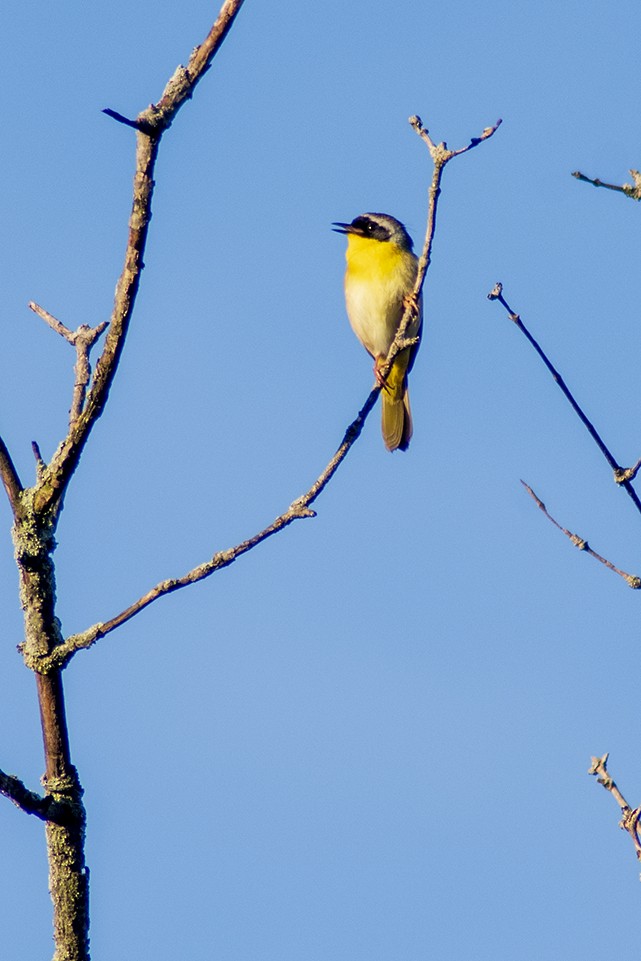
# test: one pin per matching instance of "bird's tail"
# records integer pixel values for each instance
(396, 416)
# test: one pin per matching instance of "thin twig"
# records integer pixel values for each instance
(82, 339)
(629, 816)
(621, 475)
(10, 478)
(46, 808)
(633, 191)
(122, 119)
(51, 321)
(631, 579)
(40, 463)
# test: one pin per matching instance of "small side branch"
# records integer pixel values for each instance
(122, 119)
(633, 191)
(82, 339)
(631, 579)
(46, 808)
(629, 816)
(622, 476)
(10, 478)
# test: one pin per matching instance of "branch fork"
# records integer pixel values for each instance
(83, 339)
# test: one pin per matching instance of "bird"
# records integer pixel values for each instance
(379, 283)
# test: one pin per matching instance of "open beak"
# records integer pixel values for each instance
(342, 228)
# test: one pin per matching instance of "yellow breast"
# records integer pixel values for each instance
(379, 276)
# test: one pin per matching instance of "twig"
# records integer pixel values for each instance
(46, 808)
(83, 339)
(40, 464)
(631, 579)
(629, 816)
(621, 475)
(122, 119)
(10, 478)
(630, 190)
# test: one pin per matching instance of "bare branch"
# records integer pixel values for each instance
(10, 478)
(83, 339)
(629, 816)
(121, 119)
(51, 321)
(631, 579)
(150, 124)
(621, 475)
(46, 808)
(40, 464)
(300, 508)
(633, 191)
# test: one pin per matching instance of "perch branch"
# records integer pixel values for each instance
(441, 156)
(629, 816)
(622, 476)
(630, 190)
(300, 508)
(631, 579)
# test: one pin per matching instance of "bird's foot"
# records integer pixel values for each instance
(378, 374)
(410, 302)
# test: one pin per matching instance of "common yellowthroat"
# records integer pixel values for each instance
(380, 276)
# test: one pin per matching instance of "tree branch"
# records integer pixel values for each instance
(622, 476)
(39, 508)
(629, 816)
(83, 340)
(631, 579)
(150, 124)
(46, 808)
(633, 191)
(10, 478)
(300, 508)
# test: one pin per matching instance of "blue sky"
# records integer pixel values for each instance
(368, 739)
